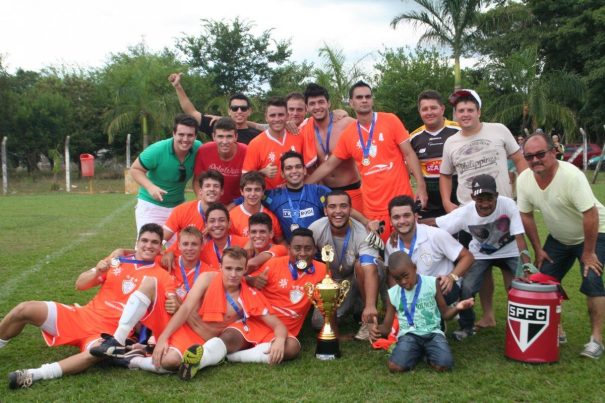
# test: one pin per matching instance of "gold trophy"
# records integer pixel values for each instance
(327, 297)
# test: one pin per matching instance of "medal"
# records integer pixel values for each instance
(295, 209)
(115, 262)
(301, 264)
(340, 268)
(294, 226)
(365, 162)
(366, 146)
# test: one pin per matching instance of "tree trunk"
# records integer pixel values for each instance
(457, 73)
(145, 131)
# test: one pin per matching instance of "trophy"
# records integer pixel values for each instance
(327, 297)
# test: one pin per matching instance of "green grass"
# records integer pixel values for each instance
(47, 240)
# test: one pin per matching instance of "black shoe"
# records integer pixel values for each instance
(124, 361)
(20, 379)
(109, 348)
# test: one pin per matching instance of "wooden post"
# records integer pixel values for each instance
(598, 167)
(4, 169)
(67, 173)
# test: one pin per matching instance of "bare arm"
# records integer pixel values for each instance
(520, 239)
(590, 221)
(411, 160)
(186, 104)
(377, 331)
(139, 174)
(531, 230)
(519, 161)
(445, 189)
(370, 286)
(91, 278)
(324, 169)
(448, 312)
(278, 345)
(464, 261)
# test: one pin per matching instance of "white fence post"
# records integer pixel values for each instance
(4, 169)
(585, 153)
(67, 173)
(128, 151)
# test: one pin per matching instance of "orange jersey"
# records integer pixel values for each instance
(287, 296)
(184, 284)
(386, 176)
(265, 149)
(239, 217)
(209, 255)
(185, 215)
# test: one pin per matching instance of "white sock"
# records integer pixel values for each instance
(46, 371)
(135, 309)
(214, 351)
(256, 354)
(3, 343)
(146, 364)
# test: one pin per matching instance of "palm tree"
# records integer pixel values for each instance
(448, 23)
(527, 93)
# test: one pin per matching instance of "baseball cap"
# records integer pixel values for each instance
(483, 184)
(464, 93)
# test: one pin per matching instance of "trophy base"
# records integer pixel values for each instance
(327, 350)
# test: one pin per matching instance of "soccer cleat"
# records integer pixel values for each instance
(191, 362)
(124, 360)
(592, 349)
(20, 379)
(109, 348)
(463, 334)
(363, 333)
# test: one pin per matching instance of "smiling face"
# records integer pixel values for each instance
(252, 192)
(403, 219)
(239, 111)
(467, 115)
(338, 210)
(431, 113)
(233, 270)
(485, 203)
(540, 157)
(210, 191)
(225, 141)
(184, 137)
(302, 248)
(276, 118)
(318, 107)
(218, 224)
(293, 172)
(296, 110)
(149, 246)
(260, 236)
(189, 246)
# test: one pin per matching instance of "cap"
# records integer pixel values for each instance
(483, 184)
(465, 93)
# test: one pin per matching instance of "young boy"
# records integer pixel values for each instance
(419, 307)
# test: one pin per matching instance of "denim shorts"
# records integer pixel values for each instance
(411, 348)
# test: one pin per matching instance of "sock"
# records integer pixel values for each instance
(214, 351)
(135, 309)
(46, 371)
(3, 343)
(256, 354)
(146, 364)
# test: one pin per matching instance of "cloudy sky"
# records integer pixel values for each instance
(35, 34)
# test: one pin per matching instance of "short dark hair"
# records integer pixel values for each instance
(225, 123)
(358, 84)
(239, 96)
(295, 95)
(302, 232)
(401, 201)
(398, 260)
(152, 227)
(217, 206)
(185, 120)
(191, 230)
(290, 154)
(211, 174)
(545, 137)
(337, 192)
(277, 101)
(430, 94)
(315, 90)
(464, 98)
(260, 219)
(252, 177)
(235, 252)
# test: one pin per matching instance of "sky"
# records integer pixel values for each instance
(83, 33)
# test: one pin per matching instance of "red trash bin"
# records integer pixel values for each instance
(87, 162)
(532, 326)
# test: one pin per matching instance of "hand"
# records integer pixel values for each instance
(541, 256)
(338, 114)
(175, 79)
(423, 196)
(291, 127)
(213, 119)
(276, 351)
(374, 332)
(369, 314)
(445, 283)
(160, 350)
(270, 170)
(373, 225)
(102, 266)
(393, 239)
(156, 192)
(261, 281)
(173, 303)
(465, 304)
(167, 261)
(591, 262)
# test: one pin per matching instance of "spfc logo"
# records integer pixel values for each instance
(296, 294)
(128, 285)
(527, 322)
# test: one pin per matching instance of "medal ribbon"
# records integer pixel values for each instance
(238, 311)
(366, 147)
(294, 270)
(403, 303)
(326, 148)
(219, 256)
(412, 244)
(201, 210)
(184, 273)
(135, 261)
(345, 244)
(295, 215)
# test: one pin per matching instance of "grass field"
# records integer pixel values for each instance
(48, 239)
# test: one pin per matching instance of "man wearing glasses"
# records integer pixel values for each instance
(239, 110)
(162, 170)
(576, 224)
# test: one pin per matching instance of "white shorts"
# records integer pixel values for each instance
(145, 212)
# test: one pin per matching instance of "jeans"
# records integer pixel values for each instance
(411, 348)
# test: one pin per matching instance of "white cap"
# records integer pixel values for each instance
(465, 93)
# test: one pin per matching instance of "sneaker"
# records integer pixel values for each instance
(20, 379)
(124, 361)
(191, 362)
(463, 334)
(363, 333)
(109, 348)
(592, 349)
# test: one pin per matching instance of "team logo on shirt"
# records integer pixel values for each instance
(527, 323)
(271, 156)
(296, 294)
(181, 292)
(283, 283)
(128, 285)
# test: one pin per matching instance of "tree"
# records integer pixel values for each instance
(449, 23)
(538, 99)
(290, 77)
(232, 56)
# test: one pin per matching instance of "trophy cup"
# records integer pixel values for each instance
(327, 297)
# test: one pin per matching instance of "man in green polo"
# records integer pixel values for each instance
(162, 170)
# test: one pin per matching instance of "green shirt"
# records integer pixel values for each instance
(162, 167)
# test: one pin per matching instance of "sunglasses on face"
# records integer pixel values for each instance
(182, 173)
(242, 108)
(539, 155)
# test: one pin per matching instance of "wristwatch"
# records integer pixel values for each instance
(454, 277)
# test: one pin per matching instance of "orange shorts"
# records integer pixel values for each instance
(78, 326)
(257, 331)
(157, 318)
(184, 338)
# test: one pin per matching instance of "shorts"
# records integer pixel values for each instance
(146, 212)
(183, 338)
(410, 349)
(258, 332)
(157, 318)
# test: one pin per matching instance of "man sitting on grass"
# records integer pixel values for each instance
(419, 305)
(81, 326)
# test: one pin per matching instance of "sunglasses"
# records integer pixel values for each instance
(182, 173)
(242, 108)
(539, 155)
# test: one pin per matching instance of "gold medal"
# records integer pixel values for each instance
(365, 162)
(301, 264)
